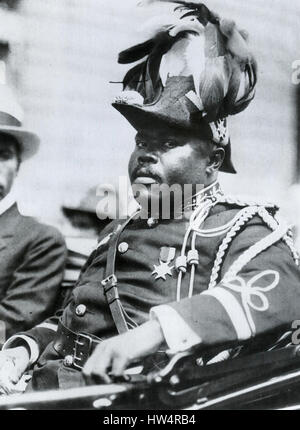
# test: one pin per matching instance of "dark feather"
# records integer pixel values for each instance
(236, 106)
(134, 78)
(233, 88)
(153, 84)
(145, 77)
(136, 53)
(251, 69)
(203, 14)
(243, 104)
(212, 85)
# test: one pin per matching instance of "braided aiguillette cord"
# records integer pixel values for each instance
(244, 216)
(197, 218)
(278, 233)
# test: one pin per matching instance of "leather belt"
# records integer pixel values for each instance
(110, 282)
(77, 347)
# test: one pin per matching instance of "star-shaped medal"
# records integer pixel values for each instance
(162, 270)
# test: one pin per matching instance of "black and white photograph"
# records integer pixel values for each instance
(149, 207)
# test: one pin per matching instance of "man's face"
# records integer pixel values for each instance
(163, 157)
(9, 164)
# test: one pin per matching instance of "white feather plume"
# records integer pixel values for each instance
(195, 58)
(187, 24)
(165, 17)
(154, 25)
(174, 62)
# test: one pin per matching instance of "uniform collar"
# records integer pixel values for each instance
(7, 202)
(211, 191)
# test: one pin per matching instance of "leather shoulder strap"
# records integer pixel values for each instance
(110, 282)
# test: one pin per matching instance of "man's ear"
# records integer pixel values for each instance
(216, 160)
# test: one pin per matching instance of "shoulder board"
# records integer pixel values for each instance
(244, 201)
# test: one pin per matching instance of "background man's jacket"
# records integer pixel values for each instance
(32, 258)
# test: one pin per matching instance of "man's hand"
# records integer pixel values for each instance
(13, 364)
(116, 354)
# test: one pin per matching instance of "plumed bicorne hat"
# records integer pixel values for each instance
(196, 70)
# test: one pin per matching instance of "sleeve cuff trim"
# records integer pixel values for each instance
(234, 311)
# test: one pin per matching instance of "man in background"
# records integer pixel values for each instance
(32, 255)
(82, 217)
(81, 232)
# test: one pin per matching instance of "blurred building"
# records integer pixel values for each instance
(61, 56)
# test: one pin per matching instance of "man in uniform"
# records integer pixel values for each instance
(223, 274)
(32, 255)
(84, 228)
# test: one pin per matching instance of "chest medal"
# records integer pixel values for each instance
(163, 269)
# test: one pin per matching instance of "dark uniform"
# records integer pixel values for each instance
(225, 274)
(271, 304)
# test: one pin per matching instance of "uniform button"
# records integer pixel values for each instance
(123, 247)
(68, 360)
(80, 310)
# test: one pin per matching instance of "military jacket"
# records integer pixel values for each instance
(246, 281)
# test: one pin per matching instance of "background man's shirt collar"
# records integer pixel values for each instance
(7, 202)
